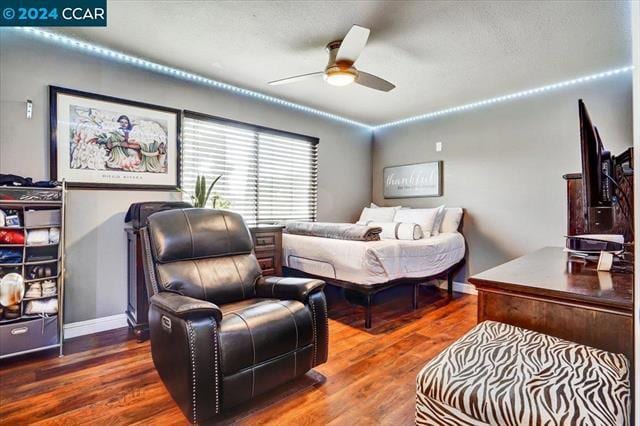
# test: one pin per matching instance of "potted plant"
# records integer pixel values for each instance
(201, 194)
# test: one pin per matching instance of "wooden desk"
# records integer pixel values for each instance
(545, 292)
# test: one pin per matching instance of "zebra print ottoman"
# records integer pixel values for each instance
(498, 374)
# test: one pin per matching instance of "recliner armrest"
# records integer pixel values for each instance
(186, 307)
(288, 288)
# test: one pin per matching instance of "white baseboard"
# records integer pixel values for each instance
(461, 287)
(82, 328)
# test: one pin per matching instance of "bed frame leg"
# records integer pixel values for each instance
(450, 283)
(367, 312)
(416, 293)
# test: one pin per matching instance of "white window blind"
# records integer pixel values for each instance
(267, 175)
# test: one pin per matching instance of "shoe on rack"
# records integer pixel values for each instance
(34, 291)
(12, 312)
(42, 307)
(49, 288)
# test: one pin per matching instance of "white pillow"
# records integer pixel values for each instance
(398, 231)
(423, 217)
(438, 223)
(380, 214)
(451, 221)
(409, 231)
(375, 206)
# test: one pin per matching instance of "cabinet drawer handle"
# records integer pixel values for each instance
(20, 330)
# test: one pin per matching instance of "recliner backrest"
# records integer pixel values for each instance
(203, 253)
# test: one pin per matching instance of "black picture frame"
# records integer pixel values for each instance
(54, 91)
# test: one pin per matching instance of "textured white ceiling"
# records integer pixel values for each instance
(438, 54)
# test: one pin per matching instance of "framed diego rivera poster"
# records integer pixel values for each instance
(104, 142)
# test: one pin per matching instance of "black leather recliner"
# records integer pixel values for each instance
(220, 332)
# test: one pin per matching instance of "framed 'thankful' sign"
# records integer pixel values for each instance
(413, 180)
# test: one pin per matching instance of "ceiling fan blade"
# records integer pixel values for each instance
(353, 44)
(373, 82)
(295, 79)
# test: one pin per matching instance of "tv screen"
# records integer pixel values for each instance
(590, 149)
(596, 174)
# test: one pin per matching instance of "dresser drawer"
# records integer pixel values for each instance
(265, 240)
(267, 244)
(267, 264)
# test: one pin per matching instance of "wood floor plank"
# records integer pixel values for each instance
(369, 378)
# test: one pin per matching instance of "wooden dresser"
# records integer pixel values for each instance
(576, 215)
(267, 241)
(547, 292)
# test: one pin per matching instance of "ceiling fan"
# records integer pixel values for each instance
(340, 71)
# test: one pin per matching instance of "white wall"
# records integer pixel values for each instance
(96, 280)
(504, 164)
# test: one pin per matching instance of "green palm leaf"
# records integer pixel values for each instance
(211, 188)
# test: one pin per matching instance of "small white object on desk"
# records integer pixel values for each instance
(605, 262)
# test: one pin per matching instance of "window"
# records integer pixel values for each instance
(267, 175)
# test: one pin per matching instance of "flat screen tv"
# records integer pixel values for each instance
(599, 180)
(596, 175)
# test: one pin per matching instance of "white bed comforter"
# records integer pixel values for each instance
(372, 262)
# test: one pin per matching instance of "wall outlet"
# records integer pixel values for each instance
(438, 146)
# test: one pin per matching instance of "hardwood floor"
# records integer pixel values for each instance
(109, 378)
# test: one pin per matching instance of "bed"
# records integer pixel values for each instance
(365, 268)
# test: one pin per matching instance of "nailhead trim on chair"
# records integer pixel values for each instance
(193, 368)
(215, 362)
(151, 267)
(326, 324)
(313, 321)
(326, 320)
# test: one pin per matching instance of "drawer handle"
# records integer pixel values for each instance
(20, 330)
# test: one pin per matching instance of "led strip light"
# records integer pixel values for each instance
(509, 97)
(189, 76)
(178, 73)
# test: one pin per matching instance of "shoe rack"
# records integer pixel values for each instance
(23, 332)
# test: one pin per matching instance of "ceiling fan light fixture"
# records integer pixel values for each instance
(340, 77)
(340, 69)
